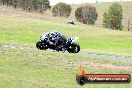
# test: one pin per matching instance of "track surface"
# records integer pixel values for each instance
(80, 53)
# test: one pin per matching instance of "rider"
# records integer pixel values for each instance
(58, 39)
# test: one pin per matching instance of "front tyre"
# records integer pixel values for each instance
(73, 48)
(41, 45)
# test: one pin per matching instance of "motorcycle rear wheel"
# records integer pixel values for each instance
(73, 48)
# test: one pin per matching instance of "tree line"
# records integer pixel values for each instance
(29, 5)
(88, 14)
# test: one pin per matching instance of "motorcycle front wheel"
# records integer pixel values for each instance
(41, 45)
(73, 48)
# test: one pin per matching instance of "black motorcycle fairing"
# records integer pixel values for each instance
(58, 43)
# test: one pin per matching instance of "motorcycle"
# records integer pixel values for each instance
(69, 46)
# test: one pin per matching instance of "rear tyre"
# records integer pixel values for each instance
(74, 48)
(41, 45)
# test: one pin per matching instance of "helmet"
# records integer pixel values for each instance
(55, 33)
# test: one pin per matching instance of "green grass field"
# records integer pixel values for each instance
(27, 68)
(40, 69)
(27, 31)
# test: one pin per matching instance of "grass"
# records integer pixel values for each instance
(26, 68)
(39, 69)
(27, 32)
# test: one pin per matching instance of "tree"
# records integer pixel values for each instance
(106, 20)
(86, 14)
(35, 5)
(61, 9)
(113, 18)
(43, 5)
(15, 3)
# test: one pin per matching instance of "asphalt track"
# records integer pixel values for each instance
(112, 57)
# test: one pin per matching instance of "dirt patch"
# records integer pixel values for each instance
(93, 64)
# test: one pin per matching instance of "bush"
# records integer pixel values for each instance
(86, 14)
(61, 9)
(113, 18)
